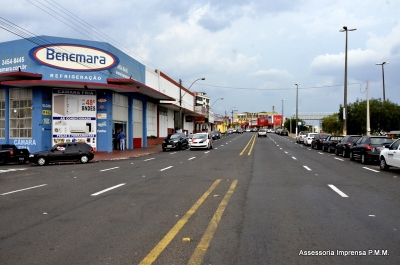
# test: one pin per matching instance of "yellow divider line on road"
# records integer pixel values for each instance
(156, 251)
(202, 247)
(251, 141)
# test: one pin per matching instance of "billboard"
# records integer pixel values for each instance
(74, 116)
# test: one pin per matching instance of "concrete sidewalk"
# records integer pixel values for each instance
(127, 153)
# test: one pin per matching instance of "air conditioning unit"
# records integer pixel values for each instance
(78, 129)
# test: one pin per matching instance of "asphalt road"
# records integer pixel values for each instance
(247, 201)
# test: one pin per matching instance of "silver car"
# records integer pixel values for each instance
(308, 138)
(262, 132)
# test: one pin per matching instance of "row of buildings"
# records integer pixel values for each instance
(55, 90)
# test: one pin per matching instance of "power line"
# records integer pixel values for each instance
(253, 88)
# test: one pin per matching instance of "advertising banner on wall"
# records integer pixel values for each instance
(74, 116)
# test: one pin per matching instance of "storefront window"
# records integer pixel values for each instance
(21, 113)
(2, 113)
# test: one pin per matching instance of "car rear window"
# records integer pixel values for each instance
(381, 141)
(354, 138)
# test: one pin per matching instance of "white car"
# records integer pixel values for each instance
(262, 132)
(201, 140)
(390, 156)
(308, 138)
(300, 137)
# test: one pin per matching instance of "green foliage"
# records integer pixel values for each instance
(332, 124)
(292, 121)
(383, 116)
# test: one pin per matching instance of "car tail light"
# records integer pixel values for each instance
(11, 152)
(368, 147)
(91, 150)
(349, 143)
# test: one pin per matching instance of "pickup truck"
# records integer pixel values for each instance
(10, 153)
(390, 156)
(329, 145)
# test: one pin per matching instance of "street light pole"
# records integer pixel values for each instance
(345, 29)
(297, 106)
(383, 79)
(283, 122)
(180, 123)
(209, 109)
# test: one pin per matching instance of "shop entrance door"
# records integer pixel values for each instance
(117, 127)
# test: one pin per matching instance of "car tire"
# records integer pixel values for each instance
(84, 159)
(344, 153)
(3, 160)
(351, 155)
(41, 161)
(383, 164)
(329, 149)
(364, 160)
(164, 149)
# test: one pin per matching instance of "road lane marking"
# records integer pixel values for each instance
(370, 169)
(250, 144)
(286, 152)
(306, 167)
(337, 190)
(11, 170)
(149, 159)
(111, 188)
(320, 153)
(166, 168)
(204, 243)
(338, 159)
(159, 248)
(34, 187)
(192, 158)
(109, 169)
(173, 153)
(206, 152)
(294, 158)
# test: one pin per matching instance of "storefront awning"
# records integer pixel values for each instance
(68, 84)
(142, 88)
(19, 76)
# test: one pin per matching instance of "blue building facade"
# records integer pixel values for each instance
(56, 89)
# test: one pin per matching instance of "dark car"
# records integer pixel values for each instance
(177, 141)
(318, 140)
(284, 132)
(63, 152)
(216, 135)
(343, 147)
(10, 153)
(329, 145)
(368, 148)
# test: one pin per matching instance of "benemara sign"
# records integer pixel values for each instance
(74, 57)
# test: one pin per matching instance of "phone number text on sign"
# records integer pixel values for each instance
(13, 60)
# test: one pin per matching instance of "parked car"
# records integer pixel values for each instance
(216, 135)
(63, 152)
(318, 140)
(308, 139)
(229, 131)
(262, 132)
(284, 132)
(368, 148)
(300, 137)
(278, 131)
(177, 141)
(10, 153)
(329, 145)
(343, 147)
(254, 130)
(248, 130)
(390, 156)
(201, 140)
(239, 131)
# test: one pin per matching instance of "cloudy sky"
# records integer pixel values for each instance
(252, 53)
